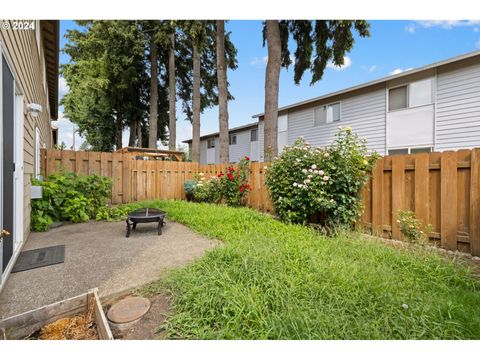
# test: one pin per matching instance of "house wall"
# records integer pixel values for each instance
(242, 148)
(28, 65)
(458, 108)
(364, 112)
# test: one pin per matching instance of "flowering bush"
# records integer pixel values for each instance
(305, 180)
(234, 183)
(411, 227)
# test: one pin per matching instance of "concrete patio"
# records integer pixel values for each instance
(97, 254)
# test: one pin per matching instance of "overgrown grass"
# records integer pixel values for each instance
(278, 281)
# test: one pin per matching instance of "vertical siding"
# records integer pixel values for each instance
(29, 72)
(242, 148)
(365, 113)
(458, 109)
(203, 151)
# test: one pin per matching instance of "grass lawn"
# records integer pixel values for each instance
(277, 281)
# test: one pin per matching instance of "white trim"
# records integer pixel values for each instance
(435, 80)
(2, 274)
(19, 174)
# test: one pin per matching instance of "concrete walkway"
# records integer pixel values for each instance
(97, 254)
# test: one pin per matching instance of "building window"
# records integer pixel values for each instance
(333, 112)
(414, 94)
(232, 139)
(319, 115)
(211, 143)
(254, 135)
(405, 151)
(397, 98)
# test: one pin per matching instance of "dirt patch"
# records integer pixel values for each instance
(144, 329)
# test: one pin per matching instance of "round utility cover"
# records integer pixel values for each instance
(128, 309)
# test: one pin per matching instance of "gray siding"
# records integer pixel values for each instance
(242, 148)
(458, 109)
(203, 151)
(365, 113)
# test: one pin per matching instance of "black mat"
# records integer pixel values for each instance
(33, 259)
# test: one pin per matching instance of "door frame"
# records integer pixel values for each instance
(18, 180)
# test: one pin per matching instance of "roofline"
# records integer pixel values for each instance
(378, 81)
(238, 128)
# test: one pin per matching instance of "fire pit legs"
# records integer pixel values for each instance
(128, 228)
(146, 215)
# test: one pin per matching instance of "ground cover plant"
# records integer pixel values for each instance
(274, 280)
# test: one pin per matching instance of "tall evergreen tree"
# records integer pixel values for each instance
(318, 42)
(222, 93)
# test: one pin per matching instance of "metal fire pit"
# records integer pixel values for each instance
(145, 215)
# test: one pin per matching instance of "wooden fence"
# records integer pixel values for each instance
(136, 180)
(443, 189)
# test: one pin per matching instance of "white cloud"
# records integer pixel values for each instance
(259, 61)
(62, 87)
(347, 62)
(410, 28)
(398, 71)
(65, 132)
(447, 24)
(476, 29)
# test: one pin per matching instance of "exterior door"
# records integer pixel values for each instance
(8, 165)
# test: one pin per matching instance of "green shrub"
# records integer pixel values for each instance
(116, 213)
(234, 184)
(207, 191)
(411, 227)
(304, 180)
(69, 197)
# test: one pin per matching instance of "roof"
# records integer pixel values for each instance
(238, 128)
(378, 81)
(51, 38)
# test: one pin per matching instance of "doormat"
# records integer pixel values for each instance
(32, 259)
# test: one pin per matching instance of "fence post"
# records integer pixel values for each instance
(422, 174)
(448, 181)
(398, 193)
(475, 203)
(377, 198)
(126, 178)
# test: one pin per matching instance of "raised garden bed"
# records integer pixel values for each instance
(69, 312)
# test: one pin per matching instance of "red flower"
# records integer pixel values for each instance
(230, 177)
(220, 175)
(247, 158)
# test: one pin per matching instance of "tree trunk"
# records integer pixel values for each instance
(172, 96)
(139, 135)
(196, 105)
(272, 78)
(133, 131)
(222, 93)
(118, 135)
(152, 125)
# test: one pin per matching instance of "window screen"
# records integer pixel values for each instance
(420, 93)
(397, 98)
(333, 112)
(211, 143)
(253, 135)
(420, 150)
(233, 139)
(398, 151)
(319, 116)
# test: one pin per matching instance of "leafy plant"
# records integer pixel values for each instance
(304, 180)
(69, 197)
(234, 184)
(411, 227)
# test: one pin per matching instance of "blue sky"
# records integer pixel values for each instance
(393, 46)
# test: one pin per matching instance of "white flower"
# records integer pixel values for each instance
(304, 171)
(307, 181)
(305, 155)
(325, 178)
(326, 155)
(315, 171)
(332, 201)
(310, 176)
(348, 128)
(295, 184)
(202, 178)
(199, 184)
(364, 140)
(305, 148)
(310, 170)
(297, 160)
(339, 128)
(314, 166)
(201, 174)
(405, 306)
(321, 173)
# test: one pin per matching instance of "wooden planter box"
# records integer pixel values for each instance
(22, 325)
